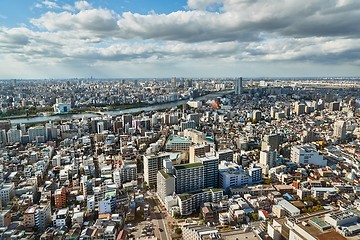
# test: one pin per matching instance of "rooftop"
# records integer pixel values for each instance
(189, 165)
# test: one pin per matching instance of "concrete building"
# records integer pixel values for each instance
(190, 202)
(43, 216)
(177, 143)
(37, 131)
(165, 181)
(198, 232)
(7, 192)
(62, 108)
(256, 116)
(13, 136)
(189, 177)
(60, 197)
(232, 175)
(299, 108)
(5, 217)
(198, 150)
(271, 142)
(188, 124)
(105, 206)
(267, 160)
(289, 209)
(225, 155)
(306, 154)
(238, 86)
(29, 217)
(340, 130)
(61, 217)
(128, 171)
(152, 164)
(211, 170)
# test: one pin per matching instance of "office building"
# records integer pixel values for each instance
(334, 106)
(3, 139)
(5, 124)
(238, 86)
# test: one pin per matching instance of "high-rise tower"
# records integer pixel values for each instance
(238, 86)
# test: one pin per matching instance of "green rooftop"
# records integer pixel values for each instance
(185, 196)
(188, 165)
(164, 174)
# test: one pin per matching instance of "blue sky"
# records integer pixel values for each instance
(194, 38)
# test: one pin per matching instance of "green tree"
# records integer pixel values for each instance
(178, 231)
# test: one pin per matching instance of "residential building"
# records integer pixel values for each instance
(152, 164)
(189, 177)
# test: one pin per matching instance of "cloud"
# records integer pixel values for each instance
(95, 21)
(202, 4)
(234, 32)
(82, 5)
(50, 4)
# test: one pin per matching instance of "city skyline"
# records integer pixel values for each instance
(194, 38)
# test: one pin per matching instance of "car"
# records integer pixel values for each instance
(161, 230)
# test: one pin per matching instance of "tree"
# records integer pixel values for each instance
(178, 231)
(200, 216)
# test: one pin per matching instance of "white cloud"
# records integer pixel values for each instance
(239, 33)
(82, 5)
(202, 4)
(50, 4)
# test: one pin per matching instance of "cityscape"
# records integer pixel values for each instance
(179, 120)
(232, 158)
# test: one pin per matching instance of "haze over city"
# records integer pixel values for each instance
(195, 38)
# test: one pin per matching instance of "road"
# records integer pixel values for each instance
(159, 221)
(162, 225)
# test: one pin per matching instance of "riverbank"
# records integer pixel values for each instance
(115, 112)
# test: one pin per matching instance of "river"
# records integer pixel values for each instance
(111, 112)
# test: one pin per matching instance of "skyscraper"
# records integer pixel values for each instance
(238, 86)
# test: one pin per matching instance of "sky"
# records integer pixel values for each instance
(166, 38)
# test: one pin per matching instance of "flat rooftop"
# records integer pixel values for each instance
(189, 165)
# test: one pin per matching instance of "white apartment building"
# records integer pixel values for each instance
(306, 154)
